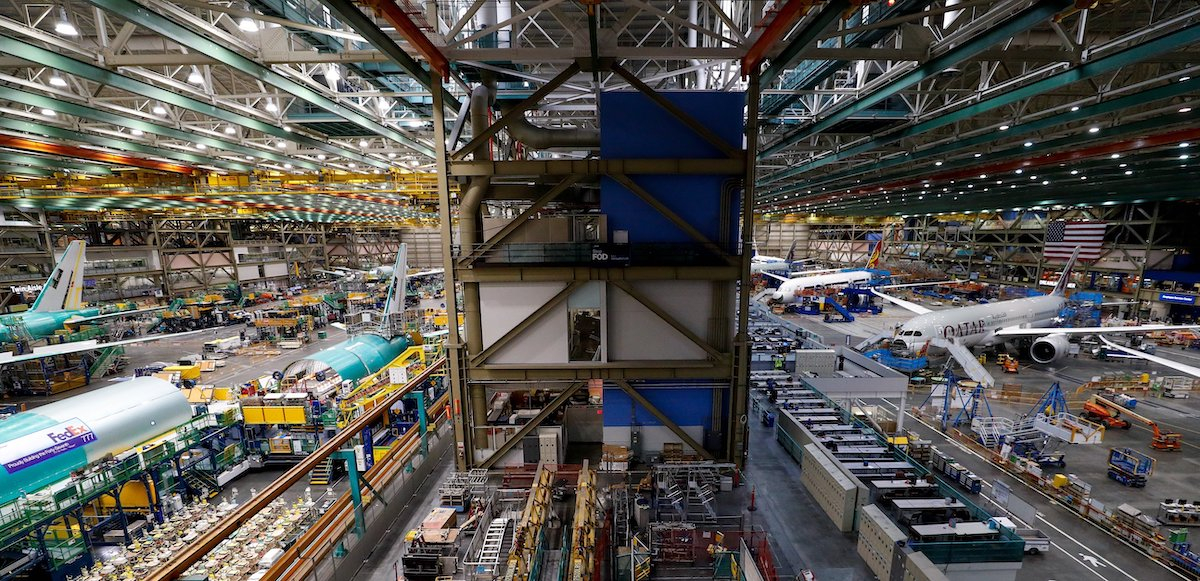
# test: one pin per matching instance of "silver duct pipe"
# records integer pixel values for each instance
(535, 137)
(469, 235)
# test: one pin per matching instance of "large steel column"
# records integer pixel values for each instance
(739, 426)
(454, 346)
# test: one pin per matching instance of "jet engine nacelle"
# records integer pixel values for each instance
(1050, 348)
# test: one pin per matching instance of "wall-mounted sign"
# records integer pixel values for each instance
(1177, 299)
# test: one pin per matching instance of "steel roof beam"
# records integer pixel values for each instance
(349, 14)
(1009, 27)
(1116, 61)
(36, 54)
(830, 14)
(24, 144)
(53, 164)
(25, 171)
(137, 13)
(84, 112)
(1168, 91)
(74, 136)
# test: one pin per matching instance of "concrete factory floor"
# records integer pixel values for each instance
(1080, 550)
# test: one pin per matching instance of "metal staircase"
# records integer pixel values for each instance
(201, 484)
(971, 366)
(322, 474)
(109, 357)
(873, 340)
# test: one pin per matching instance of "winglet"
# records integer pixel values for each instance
(63, 291)
(1060, 289)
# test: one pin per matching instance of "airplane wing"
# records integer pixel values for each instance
(914, 307)
(812, 272)
(1188, 369)
(116, 314)
(89, 345)
(1038, 331)
(931, 283)
(775, 276)
(427, 272)
(332, 272)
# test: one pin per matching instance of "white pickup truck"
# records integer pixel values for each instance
(1035, 540)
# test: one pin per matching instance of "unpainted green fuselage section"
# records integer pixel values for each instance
(37, 324)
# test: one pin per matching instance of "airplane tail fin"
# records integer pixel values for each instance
(876, 253)
(63, 291)
(397, 289)
(1060, 289)
(791, 255)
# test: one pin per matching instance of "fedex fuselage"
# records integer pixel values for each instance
(790, 290)
(976, 325)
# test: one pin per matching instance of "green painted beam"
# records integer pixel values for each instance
(349, 13)
(40, 129)
(25, 171)
(138, 14)
(1135, 54)
(53, 164)
(1013, 25)
(85, 112)
(1142, 98)
(46, 58)
(831, 13)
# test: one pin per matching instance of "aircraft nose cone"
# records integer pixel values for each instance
(899, 344)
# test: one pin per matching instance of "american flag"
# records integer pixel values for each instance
(1063, 236)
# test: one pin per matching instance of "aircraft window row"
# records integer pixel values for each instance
(910, 334)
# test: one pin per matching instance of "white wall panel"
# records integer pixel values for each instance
(636, 333)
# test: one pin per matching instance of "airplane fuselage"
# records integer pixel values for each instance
(39, 324)
(789, 291)
(976, 325)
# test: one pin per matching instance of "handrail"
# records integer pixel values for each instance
(181, 561)
(297, 561)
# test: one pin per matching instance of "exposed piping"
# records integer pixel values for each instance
(469, 234)
(536, 137)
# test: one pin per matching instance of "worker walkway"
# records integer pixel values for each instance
(802, 536)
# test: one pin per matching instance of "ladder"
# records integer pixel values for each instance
(203, 485)
(493, 547)
(108, 357)
(322, 474)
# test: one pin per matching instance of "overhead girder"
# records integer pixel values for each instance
(966, 144)
(349, 13)
(137, 13)
(37, 161)
(94, 114)
(1023, 20)
(1076, 157)
(23, 144)
(1107, 64)
(33, 129)
(36, 54)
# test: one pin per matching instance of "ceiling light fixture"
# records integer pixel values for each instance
(332, 73)
(137, 132)
(58, 81)
(64, 26)
(195, 77)
(230, 130)
(49, 113)
(159, 110)
(321, 156)
(271, 106)
(1094, 130)
(1004, 128)
(1185, 109)
(248, 24)
(201, 146)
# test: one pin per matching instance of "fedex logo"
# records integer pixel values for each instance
(71, 432)
(40, 446)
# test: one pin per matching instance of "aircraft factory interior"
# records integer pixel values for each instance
(599, 290)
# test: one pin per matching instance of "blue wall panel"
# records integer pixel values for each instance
(685, 407)
(634, 127)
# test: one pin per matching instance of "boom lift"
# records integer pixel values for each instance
(1166, 441)
(1102, 413)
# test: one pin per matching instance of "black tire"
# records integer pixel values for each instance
(1034, 551)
